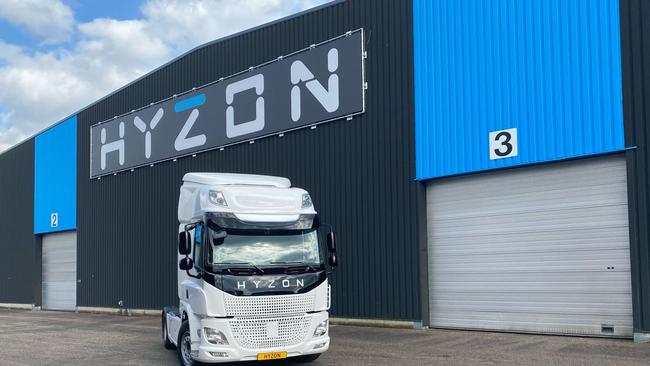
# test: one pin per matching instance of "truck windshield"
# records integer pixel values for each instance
(261, 248)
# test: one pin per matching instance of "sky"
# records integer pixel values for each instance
(58, 56)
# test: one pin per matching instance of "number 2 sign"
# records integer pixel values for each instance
(503, 144)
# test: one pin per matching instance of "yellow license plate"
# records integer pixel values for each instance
(271, 356)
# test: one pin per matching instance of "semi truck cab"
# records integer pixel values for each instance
(253, 266)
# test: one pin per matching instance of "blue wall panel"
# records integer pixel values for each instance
(55, 178)
(550, 68)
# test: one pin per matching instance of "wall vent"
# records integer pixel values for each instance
(607, 328)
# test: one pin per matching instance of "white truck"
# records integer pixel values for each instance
(252, 274)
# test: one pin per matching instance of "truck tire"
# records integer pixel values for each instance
(184, 346)
(165, 335)
(307, 358)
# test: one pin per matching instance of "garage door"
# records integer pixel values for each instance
(538, 249)
(60, 271)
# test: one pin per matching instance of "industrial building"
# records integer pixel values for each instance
(484, 164)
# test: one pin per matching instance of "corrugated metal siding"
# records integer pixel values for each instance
(635, 34)
(359, 172)
(20, 272)
(55, 178)
(538, 249)
(550, 68)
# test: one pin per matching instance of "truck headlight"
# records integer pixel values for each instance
(217, 198)
(215, 337)
(306, 201)
(321, 329)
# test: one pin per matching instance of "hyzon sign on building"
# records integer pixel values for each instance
(318, 84)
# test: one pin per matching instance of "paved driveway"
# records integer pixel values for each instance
(52, 338)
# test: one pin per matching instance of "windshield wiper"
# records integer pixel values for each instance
(298, 263)
(253, 265)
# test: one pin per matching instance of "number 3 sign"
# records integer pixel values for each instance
(503, 144)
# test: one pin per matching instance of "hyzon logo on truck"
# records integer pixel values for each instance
(286, 283)
(321, 83)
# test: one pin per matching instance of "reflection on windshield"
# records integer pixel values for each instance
(299, 247)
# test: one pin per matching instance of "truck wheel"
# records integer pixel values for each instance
(307, 358)
(165, 335)
(184, 346)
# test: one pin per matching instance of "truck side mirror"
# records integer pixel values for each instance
(331, 243)
(184, 243)
(186, 264)
(333, 261)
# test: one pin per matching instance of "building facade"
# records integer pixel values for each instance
(483, 164)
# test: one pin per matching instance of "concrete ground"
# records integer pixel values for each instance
(53, 338)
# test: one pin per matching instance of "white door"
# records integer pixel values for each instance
(60, 271)
(535, 249)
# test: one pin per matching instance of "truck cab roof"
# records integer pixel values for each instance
(217, 179)
(246, 197)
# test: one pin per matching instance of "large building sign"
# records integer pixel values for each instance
(321, 83)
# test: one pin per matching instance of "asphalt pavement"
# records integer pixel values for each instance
(43, 338)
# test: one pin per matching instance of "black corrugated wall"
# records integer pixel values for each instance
(20, 272)
(635, 38)
(359, 172)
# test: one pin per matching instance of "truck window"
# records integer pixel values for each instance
(197, 250)
(266, 248)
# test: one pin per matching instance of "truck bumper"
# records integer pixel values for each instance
(235, 350)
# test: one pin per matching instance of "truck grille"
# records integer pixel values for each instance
(260, 306)
(254, 333)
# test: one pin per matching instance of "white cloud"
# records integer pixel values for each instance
(50, 19)
(182, 22)
(40, 88)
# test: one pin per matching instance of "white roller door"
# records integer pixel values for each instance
(536, 249)
(60, 271)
